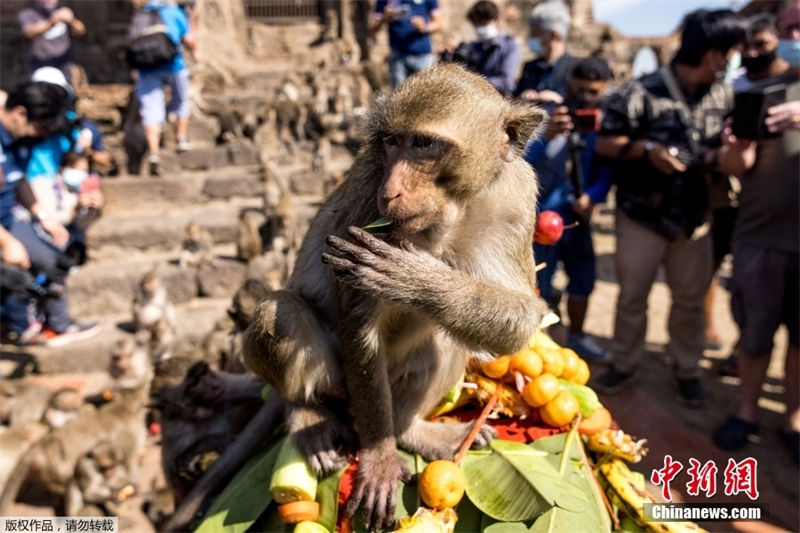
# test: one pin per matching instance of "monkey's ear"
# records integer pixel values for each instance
(521, 123)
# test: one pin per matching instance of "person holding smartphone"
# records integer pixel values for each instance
(410, 23)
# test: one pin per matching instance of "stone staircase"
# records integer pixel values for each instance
(142, 227)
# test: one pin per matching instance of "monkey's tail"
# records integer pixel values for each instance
(15, 480)
(242, 448)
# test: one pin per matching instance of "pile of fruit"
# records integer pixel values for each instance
(559, 464)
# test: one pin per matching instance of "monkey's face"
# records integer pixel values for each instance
(411, 193)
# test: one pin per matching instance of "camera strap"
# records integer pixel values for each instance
(684, 112)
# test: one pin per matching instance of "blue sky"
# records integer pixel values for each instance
(636, 18)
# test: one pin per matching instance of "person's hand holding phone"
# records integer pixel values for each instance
(783, 117)
(560, 123)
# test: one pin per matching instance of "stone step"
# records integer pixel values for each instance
(194, 320)
(108, 285)
(126, 192)
(160, 227)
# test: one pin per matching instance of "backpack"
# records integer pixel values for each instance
(149, 45)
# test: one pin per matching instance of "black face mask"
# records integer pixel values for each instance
(43, 9)
(579, 102)
(759, 63)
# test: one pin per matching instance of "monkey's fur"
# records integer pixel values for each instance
(248, 236)
(153, 316)
(389, 324)
(200, 417)
(197, 246)
(99, 479)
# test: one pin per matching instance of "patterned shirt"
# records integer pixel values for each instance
(645, 109)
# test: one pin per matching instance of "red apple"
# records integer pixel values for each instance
(549, 227)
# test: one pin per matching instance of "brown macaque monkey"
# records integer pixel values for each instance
(243, 307)
(130, 366)
(100, 480)
(248, 236)
(388, 324)
(64, 406)
(200, 417)
(197, 246)
(153, 313)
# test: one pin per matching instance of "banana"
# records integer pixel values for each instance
(626, 490)
(619, 444)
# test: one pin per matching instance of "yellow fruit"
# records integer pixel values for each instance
(541, 390)
(600, 420)
(553, 362)
(560, 410)
(571, 363)
(581, 377)
(496, 368)
(442, 484)
(526, 362)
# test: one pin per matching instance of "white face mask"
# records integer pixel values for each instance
(486, 33)
(73, 177)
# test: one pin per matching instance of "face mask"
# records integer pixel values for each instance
(535, 45)
(789, 51)
(73, 177)
(45, 9)
(733, 66)
(486, 33)
(759, 63)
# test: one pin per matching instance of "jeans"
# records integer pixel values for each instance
(43, 258)
(576, 252)
(150, 92)
(401, 66)
(687, 265)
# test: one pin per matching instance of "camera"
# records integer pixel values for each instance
(750, 111)
(586, 120)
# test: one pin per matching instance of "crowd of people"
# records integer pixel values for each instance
(704, 158)
(50, 157)
(693, 184)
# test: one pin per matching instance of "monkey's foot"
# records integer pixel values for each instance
(441, 440)
(324, 439)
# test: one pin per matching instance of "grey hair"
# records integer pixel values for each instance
(552, 15)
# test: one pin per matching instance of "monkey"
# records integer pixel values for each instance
(130, 366)
(64, 406)
(248, 236)
(54, 458)
(197, 245)
(22, 401)
(200, 418)
(387, 324)
(100, 480)
(153, 313)
(216, 348)
(121, 421)
(240, 313)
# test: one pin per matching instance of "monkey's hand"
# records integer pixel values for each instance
(378, 268)
(380, 469)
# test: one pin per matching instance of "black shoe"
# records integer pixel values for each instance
(792, 441)
(692, 393)
(613, 381)
(734, 433)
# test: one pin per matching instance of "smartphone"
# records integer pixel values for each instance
(750, 111)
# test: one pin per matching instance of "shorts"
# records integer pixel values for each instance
(150, 92)
(764, 295)
(722, 221)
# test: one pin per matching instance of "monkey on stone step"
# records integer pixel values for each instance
(387, 324)
(100, 480)
(153, 313)
(196, 247)
(248, 236)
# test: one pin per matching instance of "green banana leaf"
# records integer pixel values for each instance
(245, 497)
(378, 227)
(516, 482)
(593, 517)
(328, 498)
(588, 402)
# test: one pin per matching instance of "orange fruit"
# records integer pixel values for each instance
(294, 512)
(571, 362)
(581, 377)
(442, 484)
(560, 410)
(553, 362)
(541, 390)
(496, 368)
(600, 420)
(526, 362)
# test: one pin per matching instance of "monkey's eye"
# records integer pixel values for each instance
(422, 141)
(391, 140)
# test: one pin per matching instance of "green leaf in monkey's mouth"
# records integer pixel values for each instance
(381, 226)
